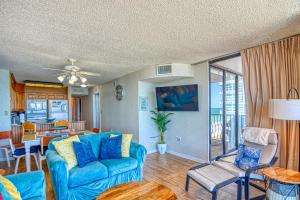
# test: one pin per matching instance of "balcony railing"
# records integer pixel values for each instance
(217, 124)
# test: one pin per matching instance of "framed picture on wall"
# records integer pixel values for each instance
(144, 103)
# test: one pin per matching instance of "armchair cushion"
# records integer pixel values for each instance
(247, 157)
(258, 135)
(91, 172)
(11, 188)
(31, 185)
(117, 166)
(4, 193)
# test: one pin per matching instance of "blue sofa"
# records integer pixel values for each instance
(96, 177)
(31, 185)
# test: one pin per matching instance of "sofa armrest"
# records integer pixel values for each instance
(30, 185)
(59, 173)
(138, 152)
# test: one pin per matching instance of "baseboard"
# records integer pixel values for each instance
(151, 151)
(186, 156)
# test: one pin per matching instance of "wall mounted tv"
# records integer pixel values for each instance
(177, 98)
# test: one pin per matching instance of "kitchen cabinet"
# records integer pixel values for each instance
(17, 95)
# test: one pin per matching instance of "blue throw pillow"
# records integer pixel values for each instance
(111, 148)
(84, 153)
(247, 157)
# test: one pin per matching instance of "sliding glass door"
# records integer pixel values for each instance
(227, 110)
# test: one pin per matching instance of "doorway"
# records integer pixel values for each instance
(226, 108)
(96, 111)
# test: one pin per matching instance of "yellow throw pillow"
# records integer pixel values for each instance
(126, 140)
(11, 188)
(65, 149)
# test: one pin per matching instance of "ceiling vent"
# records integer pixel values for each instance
(162, 70)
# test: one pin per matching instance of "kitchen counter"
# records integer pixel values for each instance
(16, 130)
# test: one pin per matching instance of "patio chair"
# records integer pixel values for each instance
(252, 138)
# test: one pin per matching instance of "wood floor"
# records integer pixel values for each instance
(167, 169)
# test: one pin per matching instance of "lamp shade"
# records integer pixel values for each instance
(284, 109)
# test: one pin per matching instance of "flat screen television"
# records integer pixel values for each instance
(177, 98)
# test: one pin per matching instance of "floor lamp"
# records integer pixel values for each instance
(286, 109)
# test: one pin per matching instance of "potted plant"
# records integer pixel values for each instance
(161, 119)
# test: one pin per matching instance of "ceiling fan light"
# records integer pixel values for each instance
(73, 78)
(61, 78)
(71, 82)
(83, 85)
(83, 80)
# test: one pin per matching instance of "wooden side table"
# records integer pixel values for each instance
(138, 190)
(282, 183)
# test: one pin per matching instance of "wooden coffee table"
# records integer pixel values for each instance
(139, 190)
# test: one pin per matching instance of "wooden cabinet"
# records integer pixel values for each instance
(42, 96)
(60, 96)
(31, 96)
(17, 95)
(17, 101)
(51, 96)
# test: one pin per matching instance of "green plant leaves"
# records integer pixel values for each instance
(161, 119)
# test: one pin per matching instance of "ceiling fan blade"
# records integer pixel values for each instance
(52, 69)
(89, 73)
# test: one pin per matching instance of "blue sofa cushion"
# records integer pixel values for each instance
(84, 153)
(117, 166)
(4, 192)
(83, 175)
(30, 185)
(111, 148)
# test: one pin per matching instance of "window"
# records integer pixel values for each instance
(226, 106)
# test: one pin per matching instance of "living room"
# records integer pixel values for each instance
(129, 100)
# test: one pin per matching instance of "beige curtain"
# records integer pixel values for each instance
(270, 70)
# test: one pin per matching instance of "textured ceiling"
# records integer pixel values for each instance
(115, 38)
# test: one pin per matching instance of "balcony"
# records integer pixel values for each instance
(216, 128)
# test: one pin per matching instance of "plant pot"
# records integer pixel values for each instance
(162, 148)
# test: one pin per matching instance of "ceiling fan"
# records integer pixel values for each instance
(72, 73)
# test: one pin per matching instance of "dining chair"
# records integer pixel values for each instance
(61, 123)
(96, 130)
(20, 152)
(29, 128)
(5, 145)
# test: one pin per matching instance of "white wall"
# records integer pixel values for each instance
(121, 115)
(148, 132)
(5, 123)
(191, 126)
(233, 64)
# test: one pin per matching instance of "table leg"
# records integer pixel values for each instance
(27, 156)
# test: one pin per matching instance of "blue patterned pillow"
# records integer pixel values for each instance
(247, 157)
(84, 153)
(111, 148)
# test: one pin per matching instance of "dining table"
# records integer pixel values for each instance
(29, 140)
